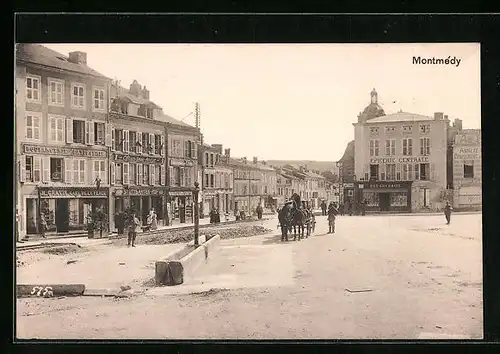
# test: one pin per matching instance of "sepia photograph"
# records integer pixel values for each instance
(248, 191)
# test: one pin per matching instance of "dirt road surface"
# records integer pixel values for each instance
(381, 277)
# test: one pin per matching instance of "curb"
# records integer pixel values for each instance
(37, 290)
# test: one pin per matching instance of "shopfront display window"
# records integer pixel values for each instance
(399, 199)
(371, 198)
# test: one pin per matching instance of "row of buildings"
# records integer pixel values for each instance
(406, 162)
(83, 142)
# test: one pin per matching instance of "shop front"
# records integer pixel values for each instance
(65, 208)
(381, 196)
(141, 200)
(180, 206)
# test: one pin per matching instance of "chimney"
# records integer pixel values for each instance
(244, 159)
(445, 116)
(218, 147)
(145, 93)
(438, 115)
(255, 160)
(458, 124)
(135, 88)
(78, 57)
(227, 152)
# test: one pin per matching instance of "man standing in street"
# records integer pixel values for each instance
(132, 226)
(447, 212)
(259, 211)
(323, 208)
(332, 213)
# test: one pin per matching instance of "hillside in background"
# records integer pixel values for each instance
(311, 165)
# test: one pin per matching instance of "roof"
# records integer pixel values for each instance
(168, 119)
(400, 117)
(349, 151)
(38, 54)
(125, 93)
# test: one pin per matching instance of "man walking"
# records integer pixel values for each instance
(447, 212)
(332, 213)
(132, 232)
(323, 208)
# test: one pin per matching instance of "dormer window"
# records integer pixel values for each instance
(149, 112)
(141, 111)
(124, 107)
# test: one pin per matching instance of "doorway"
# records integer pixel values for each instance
(182, 210)
(62, 215)
(384, 201)
(146, 207)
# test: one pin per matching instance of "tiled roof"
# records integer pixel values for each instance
(166, 118)
(38, 54)
(400, 117)
(125, 93)
(349, 151)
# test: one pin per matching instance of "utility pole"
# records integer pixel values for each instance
(197, 115)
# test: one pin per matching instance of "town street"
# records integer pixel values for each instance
(377, 277)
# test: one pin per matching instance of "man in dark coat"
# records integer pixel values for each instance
(133, 223)
(332, 213)
(323, 208)
(447, 212)
(259, 211)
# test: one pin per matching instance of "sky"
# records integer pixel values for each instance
(292, 101)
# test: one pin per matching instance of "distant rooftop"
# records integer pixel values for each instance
(400, 117)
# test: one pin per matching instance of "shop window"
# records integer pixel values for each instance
(99, 133)
(56, 169)
(78, 131)
(469, 170)
(399, 199)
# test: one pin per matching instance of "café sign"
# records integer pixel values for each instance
(138, 159)
(181, 162)
(64, 151)
(467, 153)
(73, 193)
(389, 185)
(405, 159)
(180, 193)
(145, 192)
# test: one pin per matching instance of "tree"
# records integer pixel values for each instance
(330, 176)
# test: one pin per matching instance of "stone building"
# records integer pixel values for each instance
(62, 139)
(467, 185)
(137, 160)
(217, 180)
(400, 160)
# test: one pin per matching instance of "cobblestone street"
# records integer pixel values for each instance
(396, 277)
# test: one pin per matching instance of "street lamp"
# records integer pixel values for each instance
(196, 191)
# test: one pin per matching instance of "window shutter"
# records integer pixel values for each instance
(45, 169)
(69, 130)
(87, 132)
(162, 144)
(193, 150)
(107, 137)
(91, 133)
(162, 175)
(22, 169)
(68, 170)
(113, 139)
(151, 173)
(171, 174)
(37, 166)
(138, 138)
(186, 148)
(125, 168)
(139, 174)
(112, 173)
(410, 148)
(433, 172)
(151, 143)
(125, 139)
(87, 177)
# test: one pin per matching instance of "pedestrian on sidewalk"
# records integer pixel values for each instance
(43, 224)
(132, 229)
(447, 212)
(259, 211)
(332, 213)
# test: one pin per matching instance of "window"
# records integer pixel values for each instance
(133, 173)
(145, 143)
(206, 159)
(374, 148)
(468, 169)
(424, 172)
(124, 107)
(176, 147)
(417, 172)
(145, 175)
(118, 139)
(212, 160)
(139, 169)
(118, 173)
(425, 128)
(99, 99)
(56, 92)
(390, 172)
(425, 197)
(407, 128)
(157, 175)
(187, 148)
(33, 88)
(133, 140)
(78, 131)
(56, 169)
(157, 144)
(206, 180)
(56, 129)
(99, 171)
(408, 146)
(79, 171)
(149, 112)
(374, 172)
(33, 121)
(390, 129)
(99, 133)
(374, 130)
(125, 173)
(390, 147)
(141, 111)
(425, 146)
(212, 180)
(78, 96)
(188, 177)
(33, 169)
(405, 172)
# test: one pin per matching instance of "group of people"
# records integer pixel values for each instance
(347, 208)
(129, 221)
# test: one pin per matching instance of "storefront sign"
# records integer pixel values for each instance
(144, 192)
(73, 193)
(389, 185)
(138, 159)
(181, 162)
(405, 159)
(467, 153)
(349, 185)
(64, 151)
(180, 193)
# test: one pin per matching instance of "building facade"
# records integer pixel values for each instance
(400, 161)
(217, 180)
(62, 139)
(137, 158)
(246, 183)
(467, 182)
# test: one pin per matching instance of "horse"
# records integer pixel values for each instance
(299, 219)
(285, 218)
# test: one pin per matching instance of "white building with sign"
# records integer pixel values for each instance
(62, 139)
(400, 161)
(467, 170)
